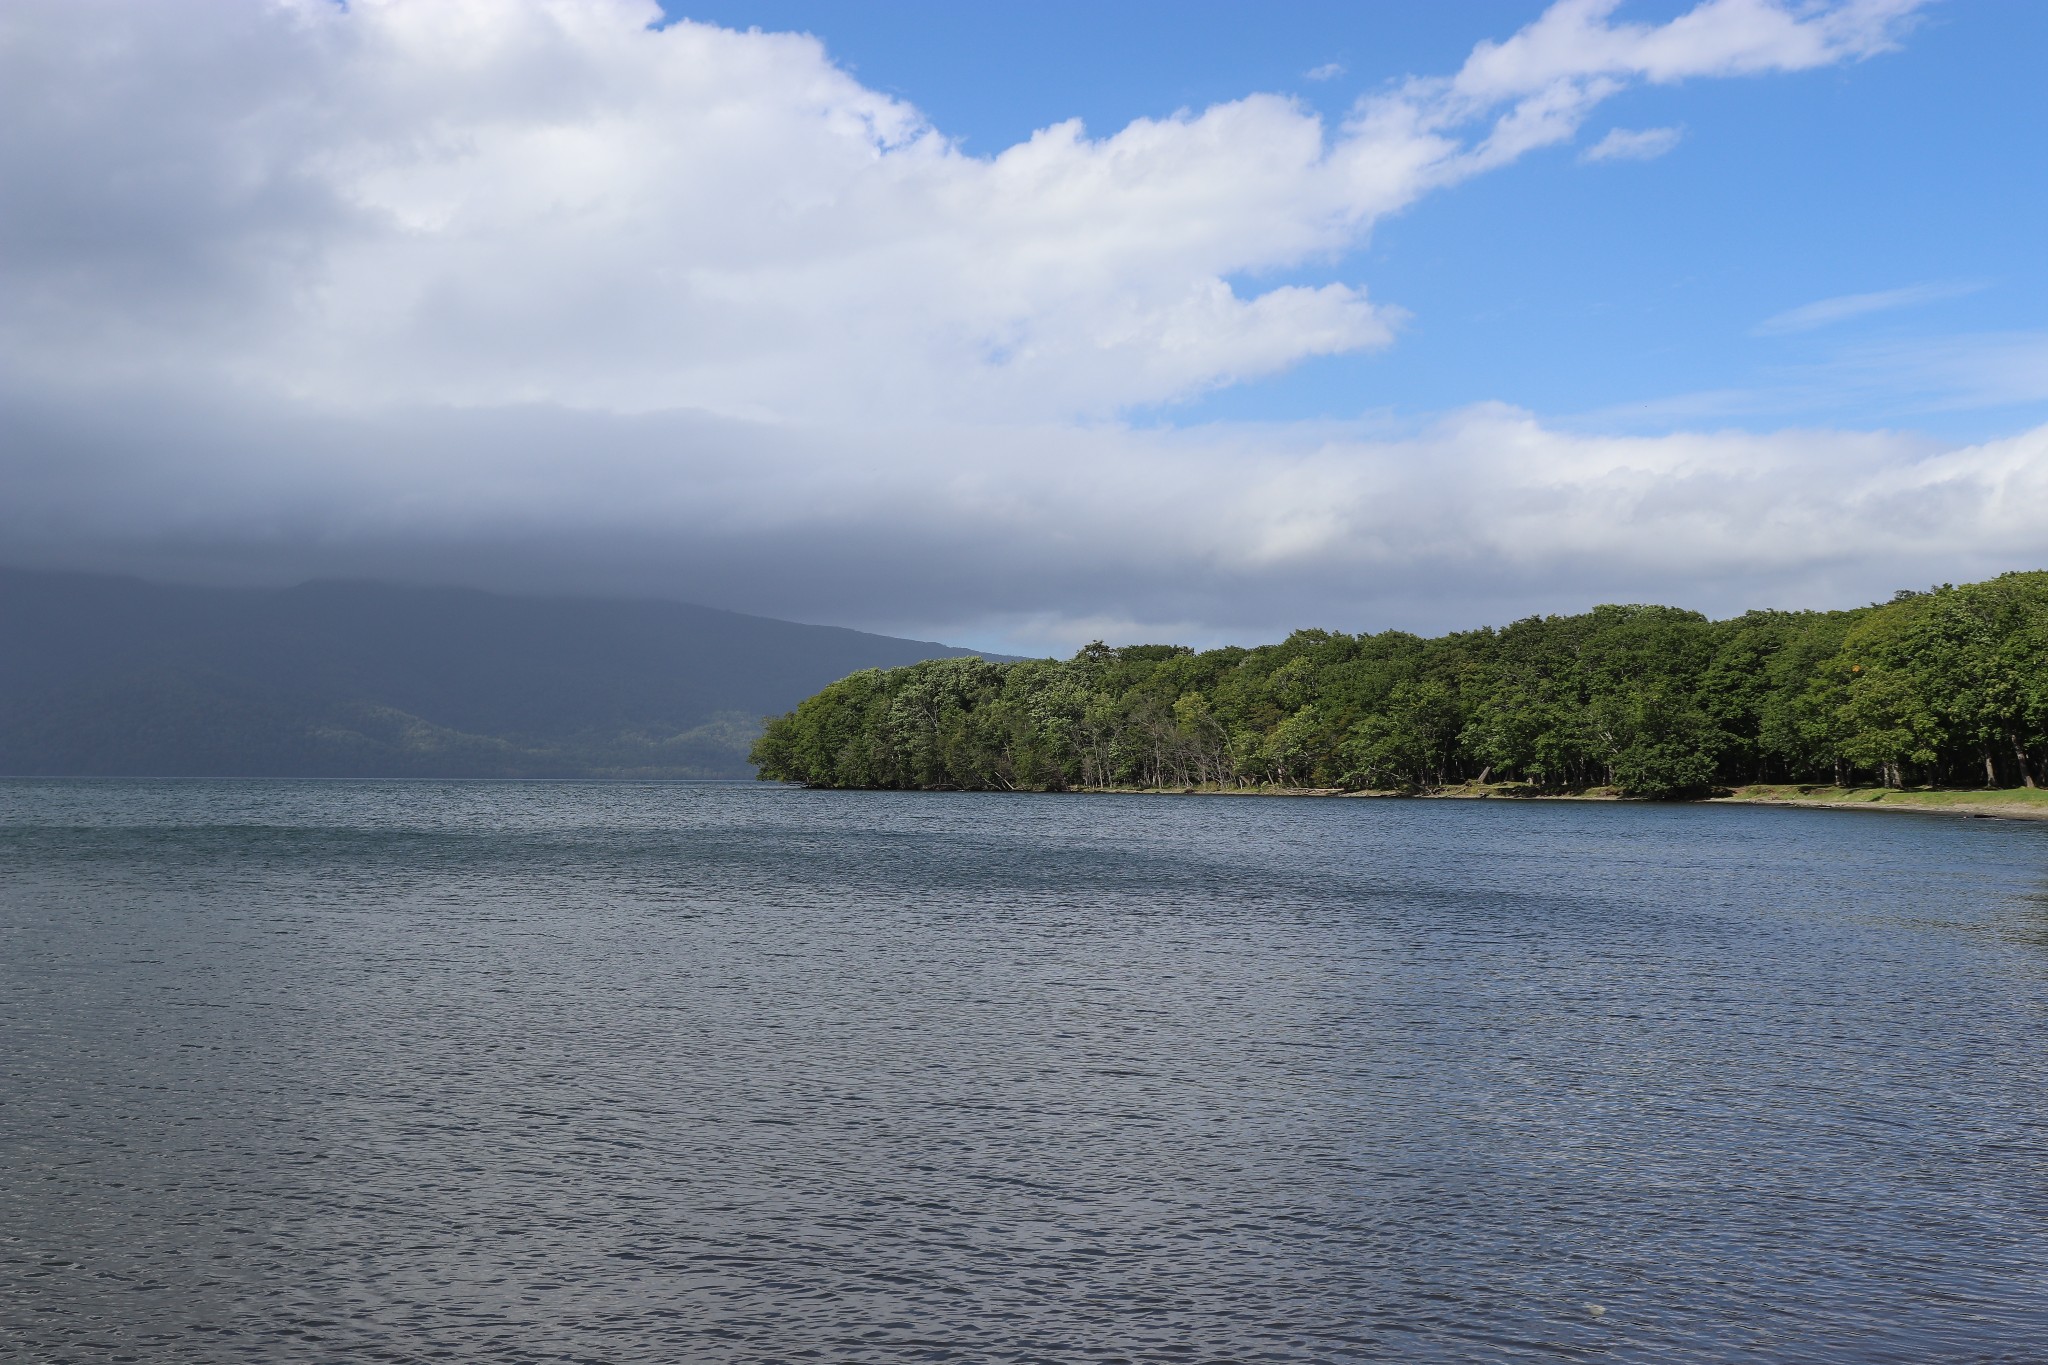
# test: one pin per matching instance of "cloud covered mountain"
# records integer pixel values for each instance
(112, 676)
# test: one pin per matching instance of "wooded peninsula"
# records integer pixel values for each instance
(1947, 687)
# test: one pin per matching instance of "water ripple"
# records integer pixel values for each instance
(619, 1072)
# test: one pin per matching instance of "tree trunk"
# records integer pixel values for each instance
(1990, 769)
(2019, 754)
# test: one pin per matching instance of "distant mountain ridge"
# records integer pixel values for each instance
(109, 676)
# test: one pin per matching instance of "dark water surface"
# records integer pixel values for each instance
(614, 1072)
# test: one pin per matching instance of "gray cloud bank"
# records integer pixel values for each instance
(1029, 535)
(543, 296)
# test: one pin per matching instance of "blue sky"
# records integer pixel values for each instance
(1349, 315)
(1621, 295)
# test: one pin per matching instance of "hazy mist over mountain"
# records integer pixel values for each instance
(114, 676)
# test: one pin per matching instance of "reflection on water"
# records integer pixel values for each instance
(653, 1073)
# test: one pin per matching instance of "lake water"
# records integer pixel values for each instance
(617, 1072)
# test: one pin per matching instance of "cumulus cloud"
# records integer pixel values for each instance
(560, 200)
(555, 295)
(1625, 144)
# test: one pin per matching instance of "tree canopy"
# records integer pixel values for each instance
(1946, 687)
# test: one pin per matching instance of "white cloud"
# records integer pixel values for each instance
(1328, 71)
(478, 202)
(543, 295)
(1575, 42)
(1826, 312)
(1624, 144)
(1551, 74)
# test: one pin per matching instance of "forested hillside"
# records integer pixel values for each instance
(1948, 686)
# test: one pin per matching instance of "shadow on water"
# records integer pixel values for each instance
(2030, 924)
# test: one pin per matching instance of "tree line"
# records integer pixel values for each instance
(1945, 687)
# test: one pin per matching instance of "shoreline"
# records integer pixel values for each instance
(2009, 803)
(2017, 803)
